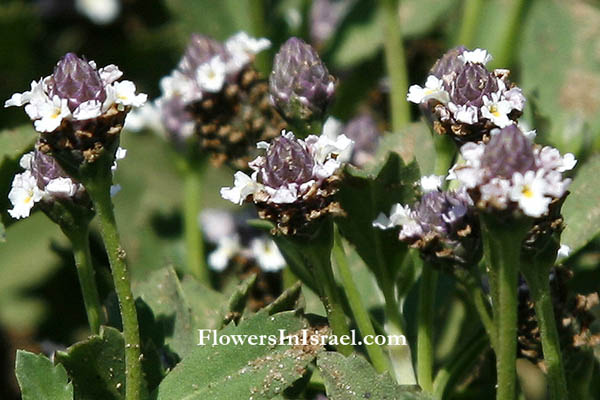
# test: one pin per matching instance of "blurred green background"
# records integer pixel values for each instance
(555, 58)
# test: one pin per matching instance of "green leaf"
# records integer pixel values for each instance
(241, 371)
(352, 377)
(97, 366)
(414, 142)
(236, 304)
(581, 210)
(179, 308)
(366, 193)
(289, 300)
(40, 380)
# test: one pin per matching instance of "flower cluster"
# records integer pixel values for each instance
(45, 181)
(215, 94)
(443, 224)
(510, 173)
(78, 107)
(294, 182)
(466, 100)
(300, 84)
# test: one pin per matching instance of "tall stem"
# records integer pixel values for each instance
(539, 286)
(330, 297)
(502, 245)
(395, 65)
(425, 327)
(361, 316)
(85, 271)
(98, 189)
(196, 260)
(470, 21)
(481, 305)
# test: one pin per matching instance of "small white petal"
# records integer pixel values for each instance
(563, 252)
(88, 110)
(267, 254)
(110, 74)
(243, 186)
(478, 56)
(23, 195)
(226, 249)
(431, 182)
(211, 75)
(124, 94)
(100, 12)
(61, 187)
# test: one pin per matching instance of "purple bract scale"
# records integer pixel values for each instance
(472, 83)
(77, 81)
(287, 161)
(507, 153)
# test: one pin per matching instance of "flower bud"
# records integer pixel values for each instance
(364, 132)
(472, 83)
(77, 81)
(300, 84)
(287, 161)
(508, 152)
(45, 169)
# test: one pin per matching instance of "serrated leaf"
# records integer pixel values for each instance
(97, 366)
(352, 377)
(581, 210)
(366, 193)
(39, 379)
(241, 371)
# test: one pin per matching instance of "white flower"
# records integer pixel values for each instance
(563, 252)
(434, 89)
(211, 75)
(464, 113)
(241, 48)
(267, 254)
(515, 97)
(479, 56)
(243, 186)
(496, 110)
(51, 114)
(100, 12)
(144, 117)
(109, 74)
(400, 215)
(496, 192)
(226, 249)
(88, 110)
(123, 94)
(431, 182)
(61, 187)
(322, 147)
(26, 161)
(23, 195)
(529, 192)
(550, 159)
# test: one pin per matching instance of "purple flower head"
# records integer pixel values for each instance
(325, 16)
(287, 161)
(472, 83)
(77, 81)
(45, 169)
(300, 84)
(508, 152)
(364, 132)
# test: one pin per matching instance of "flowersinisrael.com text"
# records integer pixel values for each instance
(304, 337)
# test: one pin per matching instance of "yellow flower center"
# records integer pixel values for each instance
(527, 192)
(494, 110)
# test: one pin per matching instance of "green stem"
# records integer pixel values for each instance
(361, 316)
(506, 40)
(85, 271)
(539, 286)
(481, 304)
(470, 21)
(196, 261)
(502, 248)
(459, 366)
(323, 273)
(98, 188)
(395, 65)
(425, 327)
